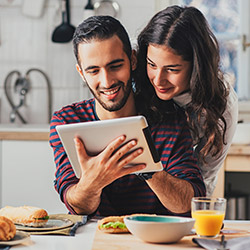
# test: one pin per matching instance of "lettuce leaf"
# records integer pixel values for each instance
(116, 224)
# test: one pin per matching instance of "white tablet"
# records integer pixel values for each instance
(96, 135)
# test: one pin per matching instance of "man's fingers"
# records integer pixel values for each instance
(113, 146)
(125, 161)
(80, 150)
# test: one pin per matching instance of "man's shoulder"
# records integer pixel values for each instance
(80, 110)
(85, 104)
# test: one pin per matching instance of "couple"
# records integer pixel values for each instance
(165, 74)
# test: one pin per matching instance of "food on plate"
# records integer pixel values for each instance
(7, 229)
(26, 215)
(112, 224)
(115, 224)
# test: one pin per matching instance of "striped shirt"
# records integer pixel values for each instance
(129, 194)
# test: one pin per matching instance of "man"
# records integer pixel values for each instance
(105, 62)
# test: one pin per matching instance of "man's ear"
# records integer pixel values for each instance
(78, 68)
(133, 60)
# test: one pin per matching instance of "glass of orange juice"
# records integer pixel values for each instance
(209, 214)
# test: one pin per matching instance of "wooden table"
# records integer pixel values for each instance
(130, 242)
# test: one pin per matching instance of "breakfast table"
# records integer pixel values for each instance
(88, 237)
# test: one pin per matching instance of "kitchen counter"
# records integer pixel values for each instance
(237, 160)
(237, 149)
(30, 132)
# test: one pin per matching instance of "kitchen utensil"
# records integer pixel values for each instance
(65, 31)
(52, 224)
(107, 7)
(88, 10)
(159, 229)
(22, 86)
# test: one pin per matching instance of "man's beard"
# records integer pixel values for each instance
(116, 105)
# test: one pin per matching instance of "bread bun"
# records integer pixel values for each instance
(25, 215)
(7, 229)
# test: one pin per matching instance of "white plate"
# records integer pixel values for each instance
(52, 224)
(19, 238)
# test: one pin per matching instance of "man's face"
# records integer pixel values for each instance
(107, 70)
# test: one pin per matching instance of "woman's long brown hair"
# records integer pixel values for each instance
(186, 31)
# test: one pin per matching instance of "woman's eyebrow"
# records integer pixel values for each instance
(170, 65)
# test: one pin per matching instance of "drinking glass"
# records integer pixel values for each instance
(209, 214)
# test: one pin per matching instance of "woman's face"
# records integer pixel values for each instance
(167, 71)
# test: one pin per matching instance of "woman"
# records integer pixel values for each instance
(178, 60)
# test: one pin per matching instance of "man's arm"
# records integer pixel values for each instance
(174, 193)
(181, 178)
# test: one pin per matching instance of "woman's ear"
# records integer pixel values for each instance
(133, 60)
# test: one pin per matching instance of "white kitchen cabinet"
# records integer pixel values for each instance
(27, 175)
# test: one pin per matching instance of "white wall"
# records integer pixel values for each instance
(25, 43)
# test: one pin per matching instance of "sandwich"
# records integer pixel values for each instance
(7, 229)
(26, 215)
(113, 224)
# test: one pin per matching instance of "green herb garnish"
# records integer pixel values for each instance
(42, 218)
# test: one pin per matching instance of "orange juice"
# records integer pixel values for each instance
(208, 222)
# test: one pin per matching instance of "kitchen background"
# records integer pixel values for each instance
(26, 42)
(26, 28)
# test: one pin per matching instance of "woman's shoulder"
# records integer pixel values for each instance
(231, 111)
(232, 97)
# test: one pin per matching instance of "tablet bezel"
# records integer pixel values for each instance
(97, 134)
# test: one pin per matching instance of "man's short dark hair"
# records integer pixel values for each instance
(100, 28)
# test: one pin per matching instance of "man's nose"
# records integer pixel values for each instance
(106, 78)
